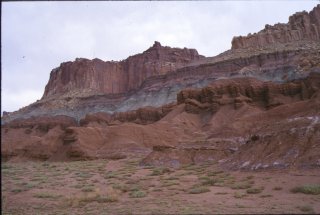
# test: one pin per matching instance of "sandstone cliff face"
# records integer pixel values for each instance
(250, 107)
(301, 26)
(229, 120)
(87, 77)
(156, 91)
(249, 124)
(240, 91)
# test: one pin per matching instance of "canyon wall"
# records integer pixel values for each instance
(301, 26)
(255, 106)
(86, 77)
(155, 77)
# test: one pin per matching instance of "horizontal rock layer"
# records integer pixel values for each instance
(222, 122)
(86, 77)
(154, 77)
(301, 26)
(158, 90)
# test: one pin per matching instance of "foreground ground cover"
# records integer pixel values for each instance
(125, 187)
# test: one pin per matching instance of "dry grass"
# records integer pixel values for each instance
(255, 190)
(92, 187)
(244, 185)
(198, 189)
(306, 209)
(137, 194)
(46, 195)
(97, 196)
(313, 189)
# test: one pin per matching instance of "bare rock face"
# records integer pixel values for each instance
(240, 91)
(42, 122)
(229, 120)
(301, 26)
(145, 115)
(87, 77)
(255, 106)
(35, 138)
(256, 125)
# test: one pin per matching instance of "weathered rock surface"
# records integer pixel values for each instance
(274, 126)
(228, 119)
(301, 26)
(154, 77)
(240, 91)
(156, 91)
(33, 138)
(247, 108)
(89, 77)
(145, 115)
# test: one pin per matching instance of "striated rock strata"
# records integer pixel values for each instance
(255, 106)
(87, 77)
(221, 122)
(266, 65)
(301, 26)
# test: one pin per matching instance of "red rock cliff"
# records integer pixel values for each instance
(85, 76)
(301, 26)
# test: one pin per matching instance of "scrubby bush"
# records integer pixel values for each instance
(313, 189)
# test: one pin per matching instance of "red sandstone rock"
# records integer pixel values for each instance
(226, 133)
(96, 117)
(241, 91)
(301, 26)
(45, 122)
(145, 115)
(83, 76)
(230, 120)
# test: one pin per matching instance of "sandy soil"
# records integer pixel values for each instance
(125, 187)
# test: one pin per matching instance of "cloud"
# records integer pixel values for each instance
(38, 36)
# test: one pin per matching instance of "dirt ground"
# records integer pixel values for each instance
(125, 187)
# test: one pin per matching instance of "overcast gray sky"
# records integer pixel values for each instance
(38, 36)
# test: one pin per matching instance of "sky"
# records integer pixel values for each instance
(37, 36)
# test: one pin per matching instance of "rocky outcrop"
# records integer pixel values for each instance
(256, 125)
(240, 91)
(220, 122)
(247, 108)
(184, 155)
(154, 77)
(145, 115)
(87, 77)
(156, 91)
(301, 26)
(44, 122)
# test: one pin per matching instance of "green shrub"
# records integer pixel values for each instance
(306, 209)
(160, 171)
(211, 181)
(87, 189)
(123, 188)
(46, 195)
(198, 189)
(245, 185)
(110, 175)
(238, 195)
(254, 190)
(169, 183)
(17, 190)
(277, 188)
(313, 189)
(108, 198)
(137, 194)
(215, 173)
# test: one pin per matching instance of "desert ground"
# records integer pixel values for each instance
(125, 187)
